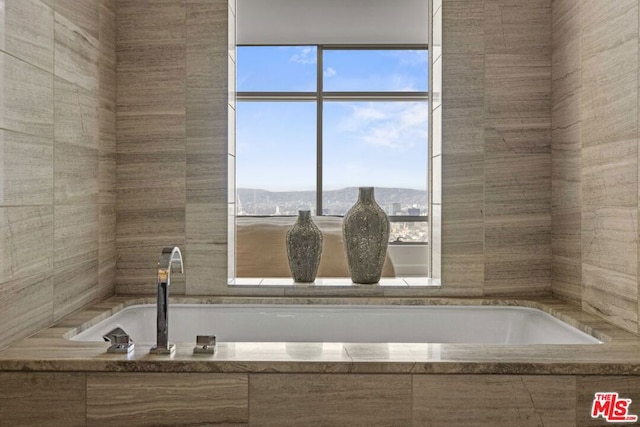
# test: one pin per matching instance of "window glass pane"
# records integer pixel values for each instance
(375, 70)
(409, 232)
(275, 157)
(375, 144)
(276, 68)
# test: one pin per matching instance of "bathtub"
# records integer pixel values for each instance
(506, 325)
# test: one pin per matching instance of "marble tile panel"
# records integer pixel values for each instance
(462, 268)
(598, 18)
(608, 107)
(27, 242)
(206, 223)
(207, 177)
(566, 72)
(107, 116)
(566, 279)
(75, 286)
(77, 113)
(566, 21)
(107, 178)
(493, 400)
(107, 253)
(566, 174)
(76, 173)
(175, 399)
(43, 398)
(28, 32)
(462, 223)
(76, 54)
(463, 27)
(26, 174)
(611, 295)
(141, 235)
(27, 306)
(588, 386)
(610, 173)
(514, 26)
(149, 133)
(330, 399)
(76, 234)
(149, 20)
(111, 5)
(84, 14)
(150, 181)
(154, 91)
(517, 86)
(517, 184)
(206, 268)
(462, 83)
(463, 178)
(566, 233)
(207, 123)
(207, 44)
(107, 30)
(27, 98)
(609, 238)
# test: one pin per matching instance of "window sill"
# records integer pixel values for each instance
(337, 282)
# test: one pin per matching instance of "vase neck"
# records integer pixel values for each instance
(304, 216)
(365, 195)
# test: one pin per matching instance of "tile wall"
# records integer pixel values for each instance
(496, 165)
(496, 151)
(595, 157)
(271, 399)
(173, 64)
(57, 160)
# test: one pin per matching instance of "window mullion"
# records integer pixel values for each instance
(319, 90)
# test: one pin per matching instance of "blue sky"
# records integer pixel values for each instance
(365, 143)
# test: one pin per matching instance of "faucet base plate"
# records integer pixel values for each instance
(161, 350)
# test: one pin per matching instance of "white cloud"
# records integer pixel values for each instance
(329, 72)
(304, 55)
(396, 125)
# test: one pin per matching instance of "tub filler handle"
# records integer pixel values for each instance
(170, 257)
(205, 344)
(121, 342)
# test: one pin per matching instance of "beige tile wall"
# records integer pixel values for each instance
(173, 61)
(69, 399)
(174, 153)
(595, 157)
(57, 160)
(496, 149)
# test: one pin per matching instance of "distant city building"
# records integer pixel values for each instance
(414, 211)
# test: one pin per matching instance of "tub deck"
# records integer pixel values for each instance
(49, 380)
(618, 355)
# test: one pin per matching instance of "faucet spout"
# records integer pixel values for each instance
(171, 257)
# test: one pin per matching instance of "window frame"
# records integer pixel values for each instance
(320, 96)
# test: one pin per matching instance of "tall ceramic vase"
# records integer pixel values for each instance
(304, 246)
(365, 230)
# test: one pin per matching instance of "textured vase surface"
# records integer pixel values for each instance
(304, 247)
(366, 236)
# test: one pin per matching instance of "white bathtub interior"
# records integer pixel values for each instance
(344, 323)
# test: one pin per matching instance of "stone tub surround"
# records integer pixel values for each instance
(49, 379)
(49, 350)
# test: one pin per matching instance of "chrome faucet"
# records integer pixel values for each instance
(170, 257)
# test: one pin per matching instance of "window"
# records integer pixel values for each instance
(316, 122)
